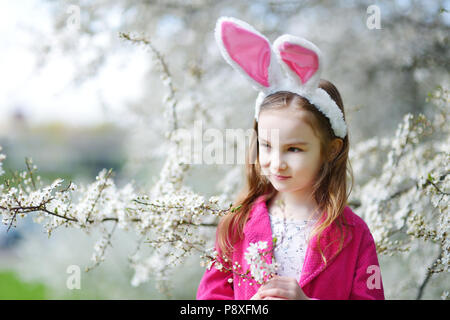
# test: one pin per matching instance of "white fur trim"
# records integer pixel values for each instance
(321, 100)
(330, 109)
(259, 100)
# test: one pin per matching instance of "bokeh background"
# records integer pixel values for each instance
(77, 98)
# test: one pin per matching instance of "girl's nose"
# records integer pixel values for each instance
(277, 164)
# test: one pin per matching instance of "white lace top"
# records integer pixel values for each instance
(291, 244)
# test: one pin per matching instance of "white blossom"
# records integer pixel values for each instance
(255, 256)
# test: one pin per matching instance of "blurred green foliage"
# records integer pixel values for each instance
(12, 288)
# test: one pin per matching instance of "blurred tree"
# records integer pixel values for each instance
(382, 74)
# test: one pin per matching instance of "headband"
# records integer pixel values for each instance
(292, 64)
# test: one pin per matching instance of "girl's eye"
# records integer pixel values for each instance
(265, 145)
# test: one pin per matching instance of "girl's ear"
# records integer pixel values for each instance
(301, 60)
(247, 51)
(335, 147)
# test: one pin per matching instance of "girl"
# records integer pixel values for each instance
(296, 188)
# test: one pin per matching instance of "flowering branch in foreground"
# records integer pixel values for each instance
(165, 220)
(256, 256)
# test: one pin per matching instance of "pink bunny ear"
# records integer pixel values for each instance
(245, 49)
(303, 61)
(300, 58)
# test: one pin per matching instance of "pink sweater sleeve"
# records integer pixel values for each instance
(214, 285)
(367, 283)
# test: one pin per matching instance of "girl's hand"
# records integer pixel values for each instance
(280, 288)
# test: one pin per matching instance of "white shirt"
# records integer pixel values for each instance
(291, 244)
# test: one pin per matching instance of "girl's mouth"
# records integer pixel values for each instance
(281, 177)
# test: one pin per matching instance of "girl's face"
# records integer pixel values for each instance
(294, 152)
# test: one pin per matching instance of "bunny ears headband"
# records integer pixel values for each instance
(292, 64)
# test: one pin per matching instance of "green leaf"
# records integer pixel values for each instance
(237, 208)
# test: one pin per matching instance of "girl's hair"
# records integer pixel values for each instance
(329, 190)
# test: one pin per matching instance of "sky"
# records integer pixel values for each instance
(47, 95)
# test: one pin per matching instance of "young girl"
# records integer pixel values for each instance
(296, 189)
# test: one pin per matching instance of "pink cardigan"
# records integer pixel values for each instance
(351, 274)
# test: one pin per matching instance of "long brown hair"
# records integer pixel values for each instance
(329, 189)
